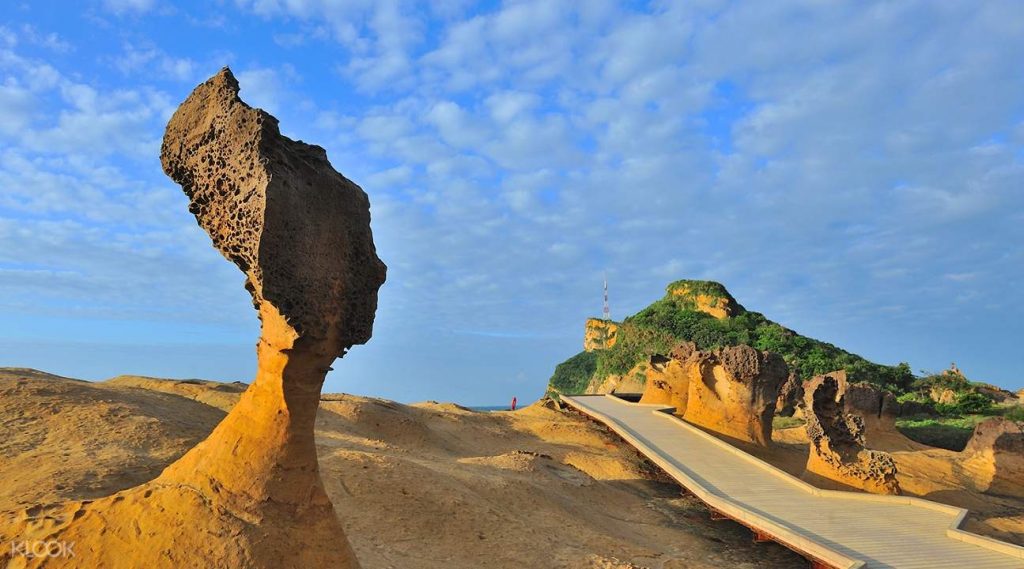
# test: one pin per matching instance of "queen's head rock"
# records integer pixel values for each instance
(298, 229)
(250, 495)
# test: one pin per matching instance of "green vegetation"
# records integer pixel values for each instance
(967, 402)
(709, 288)
(946, 432)
(675, 318)
(779, 422)
(672, 319)
(572, 375)
(953, 429)
(1015, 413)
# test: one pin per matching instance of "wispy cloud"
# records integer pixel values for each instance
(850, 169)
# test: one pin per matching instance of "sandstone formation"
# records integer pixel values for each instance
(943, 395)
(632, 382)
(732, 390)
(839, 376)
(995, 393)
(426, 486)
(300, 232)
(837, 450)
(995, 456)
(877, 407)
(917, 408)
(718, 302)
(791, 396)
(667, 383)
(599, 334)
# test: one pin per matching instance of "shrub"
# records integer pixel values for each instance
(572, 375)
(951, 434)
(1015, 413)
(967, 403)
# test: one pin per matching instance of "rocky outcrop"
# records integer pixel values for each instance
(917, 409)
(300, 232)
(791, 395)
(877, 407)
(995, 456)
(632, 382)
(943, 395)
(706, 296)
(667, 383)
(732, 391)
(839, 376)
(837, 450)
(1020, 396)
(599, 334)
(996, 394)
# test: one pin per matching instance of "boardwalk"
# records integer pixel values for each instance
(837, 529)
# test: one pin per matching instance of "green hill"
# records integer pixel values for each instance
(703, 312)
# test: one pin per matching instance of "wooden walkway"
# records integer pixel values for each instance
(845, 530)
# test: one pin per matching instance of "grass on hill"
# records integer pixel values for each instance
(672, 319)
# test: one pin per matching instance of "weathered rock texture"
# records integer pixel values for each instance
(250, 495)
(732, 391)
(837, 450)
(667, 383)
(995, 456)
(996, 393)
(791, 396)
(599, 334)
(942, 395)
(877, 407)
(720, 305)
(632, 382)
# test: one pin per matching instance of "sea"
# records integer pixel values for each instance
(489, 408)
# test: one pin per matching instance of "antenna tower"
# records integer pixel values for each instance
(607, 314)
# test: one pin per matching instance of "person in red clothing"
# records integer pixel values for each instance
(513, 403)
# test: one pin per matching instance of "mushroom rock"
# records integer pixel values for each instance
(731, 390)
(250, 495)
(837, 450)
(995, 456)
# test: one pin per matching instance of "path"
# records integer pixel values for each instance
(845, 530)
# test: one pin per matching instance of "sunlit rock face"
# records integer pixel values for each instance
(837, 450)
(250, 495)
(995, 456)
(731, 390)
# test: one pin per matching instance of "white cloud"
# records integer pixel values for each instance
(832, 162)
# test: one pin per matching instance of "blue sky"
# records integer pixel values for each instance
(854, 170)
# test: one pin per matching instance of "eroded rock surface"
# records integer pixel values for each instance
(837, 450)
(668, 383)
(300, 232)
(995, 456)
(732, 390)
(877, 407)
(791, 396)
(599, 334)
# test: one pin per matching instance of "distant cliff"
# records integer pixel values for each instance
(617, 355)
